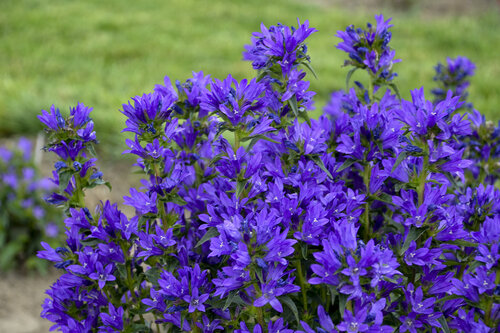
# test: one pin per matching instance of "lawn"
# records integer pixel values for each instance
(104, 52)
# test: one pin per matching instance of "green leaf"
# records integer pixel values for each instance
(64, 178)
(211, 232)
(342, 304)
(310, 68)
(319, 162)
(177, 199)
(413, 235)
(444, 324)
(383, 197)
(305, 116)
(293, 105)
(260, 136)
(461, 242)
(90, 242)
(303, 249)
(400, 159)
(91, 150)
(291, 305)
(152, 275)
(395, 89)
(346, 164)
(348, 77)
(229, 300)
(240, 186)
(217, 158)
(258, 273)
(262, 74)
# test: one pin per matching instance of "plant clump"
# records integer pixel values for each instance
(379, 216)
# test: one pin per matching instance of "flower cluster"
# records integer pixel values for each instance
(454, 76)
(25, 219)
(364, 220)
(369, 49)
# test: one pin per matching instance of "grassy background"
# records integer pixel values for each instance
(104, 52)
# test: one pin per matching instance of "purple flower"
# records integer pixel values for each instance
(196, 301)
(149, 113)
(102, 274)
(354, 323)
(279, 45)
(142, 202)
(113, 319)
(235, 104)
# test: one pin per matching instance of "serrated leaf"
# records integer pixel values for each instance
(346, 164)
(291, 305)
(348, 77)
(293, 105)
(211, 232)
(400, 159)
(310, 68)
(319, 162)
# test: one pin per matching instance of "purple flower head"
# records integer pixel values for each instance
(149, 113)
(235, 101)
(52, 119)
(279, 44)
(196, 301)
(142, 202)
(194, 89)
(369, 48)
(113, 319)
(454, 76)
(102, 274)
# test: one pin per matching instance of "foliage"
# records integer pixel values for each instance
(25, 218)
(379, 216)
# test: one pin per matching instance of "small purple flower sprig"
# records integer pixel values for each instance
(454, 76)
(26, 219)
(72, 139)
(364, 220)
(369, 50)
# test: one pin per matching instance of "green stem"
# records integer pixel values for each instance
(370, 89)
(80, 196)
(302, 284)
(258, 310)
(194, 319)
(366, 214)
(236, 140)
(160, 204)
(422, 179)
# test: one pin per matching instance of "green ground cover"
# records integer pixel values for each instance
(104, 52)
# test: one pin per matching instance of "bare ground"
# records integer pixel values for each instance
(20, 303)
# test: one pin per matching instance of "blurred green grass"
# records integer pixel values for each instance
(104, 52)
